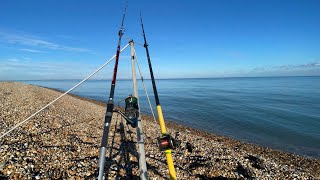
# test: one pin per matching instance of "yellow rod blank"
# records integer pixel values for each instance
(168, 152)
(170, 164)
(161, 120)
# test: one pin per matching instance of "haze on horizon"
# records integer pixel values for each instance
(187, 39)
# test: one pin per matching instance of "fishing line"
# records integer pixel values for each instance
(44, 107)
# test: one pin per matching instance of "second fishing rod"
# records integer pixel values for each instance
(165, 141)
(110, 105)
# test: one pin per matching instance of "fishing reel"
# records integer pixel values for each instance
(132, 110)
(165, 142)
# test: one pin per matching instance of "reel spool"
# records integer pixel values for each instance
(132, 110)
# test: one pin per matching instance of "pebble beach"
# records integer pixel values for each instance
(63, 142)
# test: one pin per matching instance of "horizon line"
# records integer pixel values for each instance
(167, 78)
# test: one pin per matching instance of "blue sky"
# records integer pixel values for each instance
(213, 38)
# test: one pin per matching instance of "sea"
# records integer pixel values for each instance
(277, 112)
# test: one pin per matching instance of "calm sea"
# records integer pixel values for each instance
(277, 112)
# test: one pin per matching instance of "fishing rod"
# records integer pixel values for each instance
(110, 105)
(165, 141)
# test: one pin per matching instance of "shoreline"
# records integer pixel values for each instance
(76, 127)
(172, 123)
(181, 127)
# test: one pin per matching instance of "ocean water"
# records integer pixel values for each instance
(276, 112)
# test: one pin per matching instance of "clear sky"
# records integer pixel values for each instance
(68, 39)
